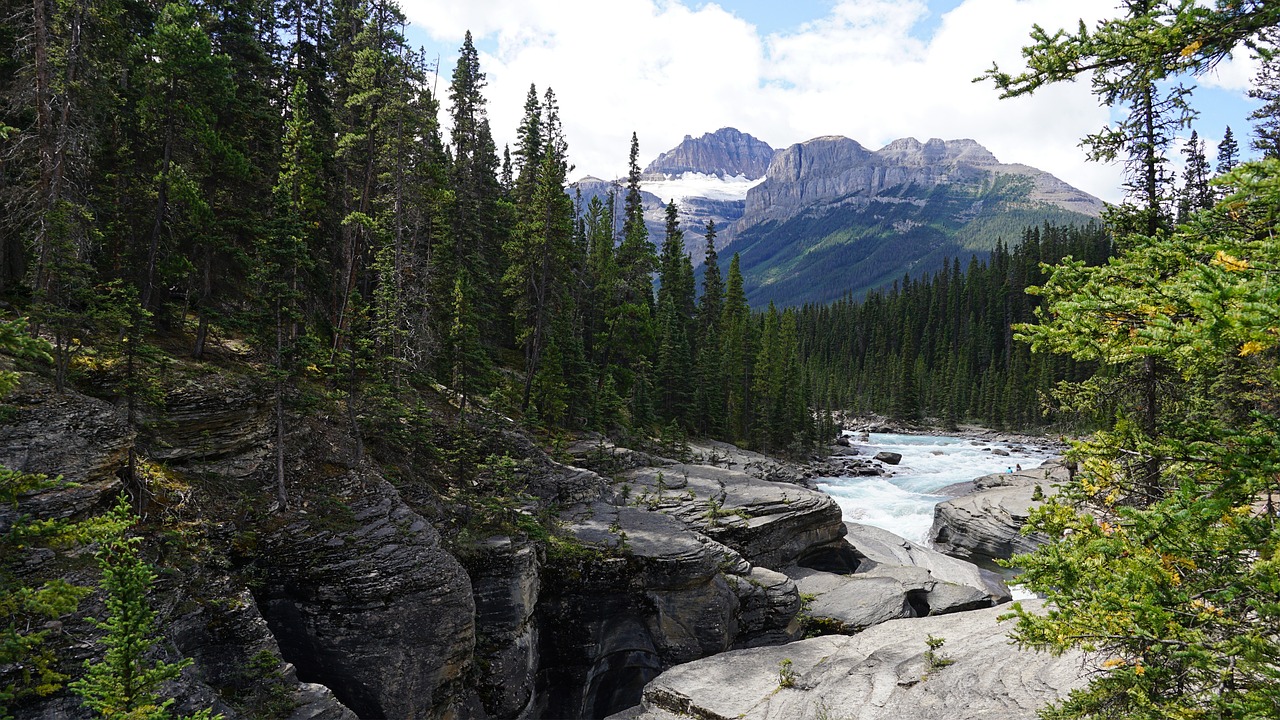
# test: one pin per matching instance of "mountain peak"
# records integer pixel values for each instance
(828, 168)
(936, 151)
(727, 152)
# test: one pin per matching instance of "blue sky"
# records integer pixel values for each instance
(871, 70)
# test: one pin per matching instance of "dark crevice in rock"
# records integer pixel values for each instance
(839, 558)
(919, 602)
(314, 663)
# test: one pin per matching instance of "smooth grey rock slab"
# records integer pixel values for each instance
(769, 523)
(879, 674)
(855, 601)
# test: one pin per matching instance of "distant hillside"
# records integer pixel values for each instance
(832, 217)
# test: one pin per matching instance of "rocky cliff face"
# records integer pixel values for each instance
(362, 598)
(830, 169)
(205, 611)
(725, 152)
(832, 217)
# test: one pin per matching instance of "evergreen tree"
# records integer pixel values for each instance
(1186, 565)
(1195, 194)
(529, 149)
(737, 341)
(478, 218)
(709, 400)
(675, 325)
(1159, 566)
(631, 327)
(1228, 152)
(538, 253)
(471, 368)
(1266, 117)
(1156, 111)
(182, 91)
(126, 684)
(286, 254)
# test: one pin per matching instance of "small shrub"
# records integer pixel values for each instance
(934, 657)
(786, 674)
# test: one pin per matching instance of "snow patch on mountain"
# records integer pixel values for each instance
(700, 185)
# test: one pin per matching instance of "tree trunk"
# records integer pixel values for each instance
(162, 205)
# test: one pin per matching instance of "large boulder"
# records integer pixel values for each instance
(888, 458)
(987, 525)
(885, 549)
(880, 673)
(769, 523)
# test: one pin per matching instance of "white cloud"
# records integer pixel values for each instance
(667, 68)
(1235, 74)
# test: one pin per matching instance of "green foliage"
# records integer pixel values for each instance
(934, 658)
(787, 675)
(16, 342)
(939, 346)
(1165, 567)
(126, 683)
(29, 667)
(262, 690)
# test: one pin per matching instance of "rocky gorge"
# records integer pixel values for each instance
(601, 575)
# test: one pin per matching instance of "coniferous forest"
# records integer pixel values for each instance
(267, 184)
(277, 171)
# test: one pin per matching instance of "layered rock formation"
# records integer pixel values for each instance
(369, 604)
(678, 563)
(207, 613)
(725, 152)
(836, 169)
(986, 525)
(833, 217)
(80, 438)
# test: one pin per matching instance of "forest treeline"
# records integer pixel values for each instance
(276, 170)
(943, 346)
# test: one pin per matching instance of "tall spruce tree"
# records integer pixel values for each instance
(709, 399)
(1228, 152)
(737, 341)
(1195, 194)
(286, 254)
(478, 218)
(631, 327)
(182, 90)
(539, 251)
